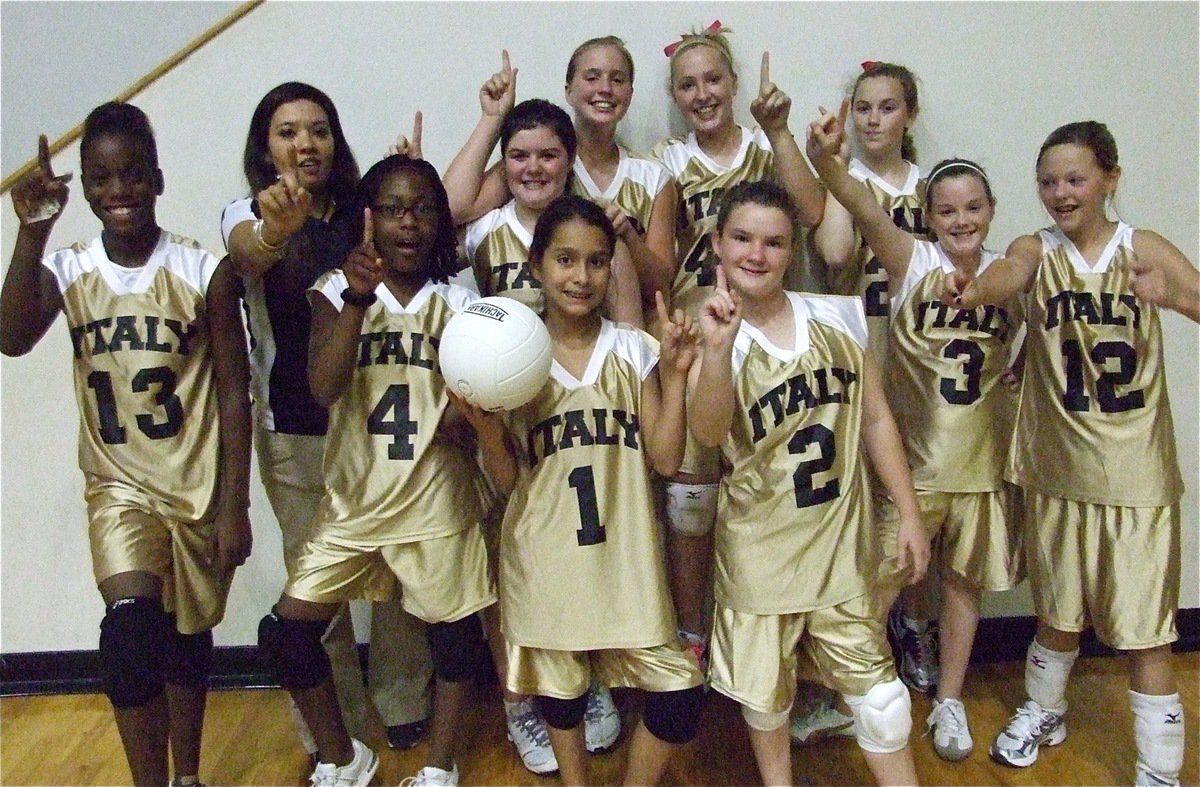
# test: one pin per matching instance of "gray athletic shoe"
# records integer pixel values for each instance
(601, 722)
(1030, 727)
(918, 646)
(821, 721)
(951, 735)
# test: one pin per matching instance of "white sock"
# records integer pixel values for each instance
(1046, 674)
(1158, 732)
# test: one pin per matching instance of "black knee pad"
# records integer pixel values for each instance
(454, 648)
(292, 649)
(562, 714)
(189, 659)
(673, 716)
(134, 639)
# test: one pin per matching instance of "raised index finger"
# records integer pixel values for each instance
(44, 156)
(843, 111)
(368, 228)
(418, 121)
(764, 73)
(722, 283)
(505, 65)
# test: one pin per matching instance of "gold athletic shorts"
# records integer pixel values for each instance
(442, 579)
(566, 674)
(752, 658)
(1114, 567)
(977, 535)
(127, 532)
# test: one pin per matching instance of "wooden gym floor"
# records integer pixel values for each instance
(249, 739)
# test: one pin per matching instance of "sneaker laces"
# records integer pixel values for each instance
(949, 716)
(324, 775)
(530, 726)
(1027, 721)
(925, 648)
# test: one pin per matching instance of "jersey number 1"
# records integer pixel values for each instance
(583, 482)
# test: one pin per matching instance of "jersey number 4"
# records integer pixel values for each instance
(111, 430)
(391, 417)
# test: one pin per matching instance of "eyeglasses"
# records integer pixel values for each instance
(395, 210)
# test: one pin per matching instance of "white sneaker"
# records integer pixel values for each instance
(821, 721)
(601, 722)
(951, 735)
(1148, 778)
(430, 776)
(527, 731)
(356, 773)
(1030, 727)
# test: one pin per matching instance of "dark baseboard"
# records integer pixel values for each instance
(74, 672)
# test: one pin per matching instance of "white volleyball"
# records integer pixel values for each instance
(496, 353)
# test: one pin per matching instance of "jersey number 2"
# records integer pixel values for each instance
(821, 436)
(111, 431)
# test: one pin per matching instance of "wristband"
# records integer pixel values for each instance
(355, 299)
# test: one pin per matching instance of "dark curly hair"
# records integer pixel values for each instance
(445, 246)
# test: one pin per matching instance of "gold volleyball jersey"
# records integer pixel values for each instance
(633, 189)
(1094, 421)
(793, 510)
(497, 246)
(701, 183)
(143, 369)
(581, 559)
(389, 477)
(865, 276)
(943, 379)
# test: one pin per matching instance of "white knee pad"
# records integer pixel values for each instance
(882, 717)
(765, 722)
(691, 508)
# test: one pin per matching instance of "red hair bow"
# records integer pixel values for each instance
(871, 65)
(669, 49)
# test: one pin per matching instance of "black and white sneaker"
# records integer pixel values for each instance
(917, 643)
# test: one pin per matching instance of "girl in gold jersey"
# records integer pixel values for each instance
(716, 154)
(584, 590)
(1094, 449)
(787, 390)
(537, 148)
(400, 505)
(943, 380)
(636, 192)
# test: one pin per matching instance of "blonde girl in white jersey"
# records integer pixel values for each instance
(716, 154)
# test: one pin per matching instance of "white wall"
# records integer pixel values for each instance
(113, 43)
(996, 78)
